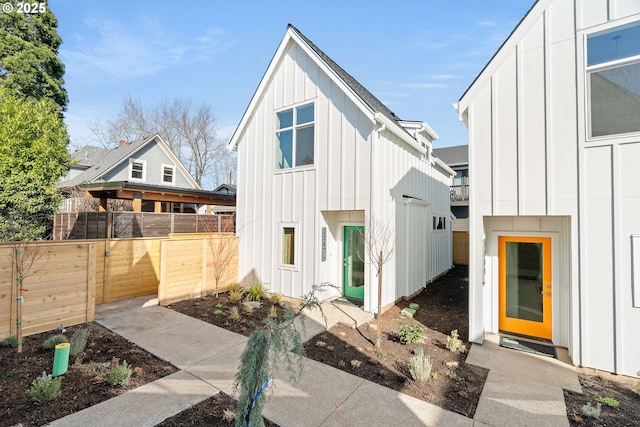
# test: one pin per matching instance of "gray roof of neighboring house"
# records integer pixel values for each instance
(226, 188)
(110, 158)
(453, 156)
(366, 96)
(88, 155)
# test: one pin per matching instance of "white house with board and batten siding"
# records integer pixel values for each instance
(554, 148)
(318, 156)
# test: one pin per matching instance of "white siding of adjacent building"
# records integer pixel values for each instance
(531, 163)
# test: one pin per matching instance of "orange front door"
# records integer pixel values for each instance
(525, 285)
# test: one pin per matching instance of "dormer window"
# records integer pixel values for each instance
(137, 170)
(295, 134)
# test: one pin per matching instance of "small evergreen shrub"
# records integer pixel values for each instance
(51, 342)
(234, 313)
(118, 375)
(609, 401)
(78, 341)
(236, 295)
(11, 341)
(591, 411)
(219, 305)
(455, 344)
(217, 312)
(412, 333)
(255, 292)
(454, 376)
(419, 365)
(45, 388)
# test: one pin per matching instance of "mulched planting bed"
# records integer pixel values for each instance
(443, 307)
(210, 412)
(83, 384)
(603, 384)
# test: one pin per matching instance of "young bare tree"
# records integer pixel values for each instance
(191, 133)
(380, 247)
(22, 257)
(224, 247)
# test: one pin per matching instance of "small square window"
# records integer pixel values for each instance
(288, 245)
(439, 222)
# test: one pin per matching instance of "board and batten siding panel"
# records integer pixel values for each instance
(505, 139)
(628, 218)
(531, 133)
(597, 249)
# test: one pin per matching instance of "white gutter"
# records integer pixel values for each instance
(429, 130)
(381, 118)
(444, 166)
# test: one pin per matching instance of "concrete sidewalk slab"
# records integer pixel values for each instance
(320, 391)
(219, 370)
(134, 322)
(187, 343)
(374, 405)
(144, 406)
(506, 402)
(527, 367)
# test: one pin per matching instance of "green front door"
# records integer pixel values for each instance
(353, 261)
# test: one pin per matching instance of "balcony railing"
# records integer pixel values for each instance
(460, 192)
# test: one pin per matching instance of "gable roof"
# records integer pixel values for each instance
(453, 156)
(118, 155)
(537, 8)
(365, 100)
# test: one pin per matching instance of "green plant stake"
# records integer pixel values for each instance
(61, 359)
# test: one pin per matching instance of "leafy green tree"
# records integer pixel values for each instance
(29, 64)
(33, 156)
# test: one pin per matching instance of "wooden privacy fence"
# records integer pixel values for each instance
(70, 278)
(102, 225)
(190, 266)
(59, 290)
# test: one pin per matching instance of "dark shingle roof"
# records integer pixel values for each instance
(452, 156)
(88, 155)
(107, 161)
(366, 96)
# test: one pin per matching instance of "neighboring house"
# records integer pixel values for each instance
(318, 156)
(554, 150)
(458, 159)
(145, 172)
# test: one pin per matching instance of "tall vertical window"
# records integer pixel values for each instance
(295, 137)
(288, 245)
(168, 174)
(137, 170)
(613, 74)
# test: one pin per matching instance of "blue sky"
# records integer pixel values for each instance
(417, 57)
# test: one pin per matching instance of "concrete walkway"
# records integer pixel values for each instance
(208, 357)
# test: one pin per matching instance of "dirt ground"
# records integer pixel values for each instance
(603, 384)
(82, 386)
